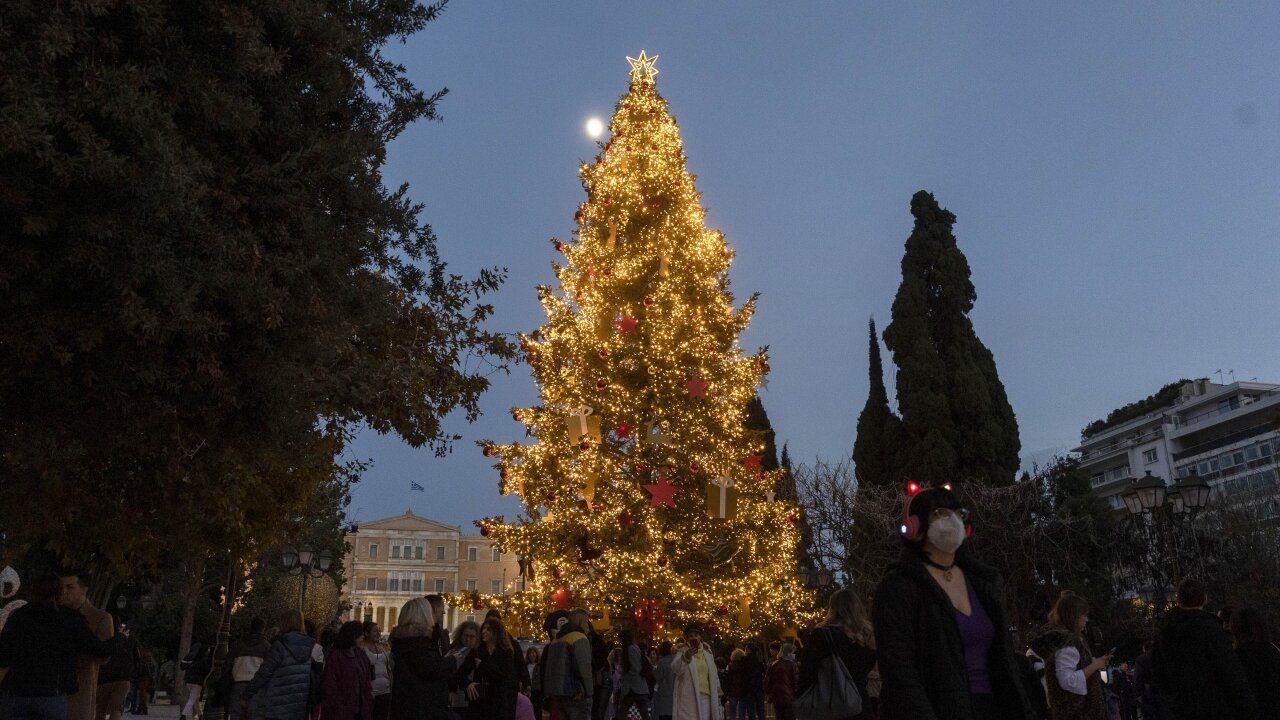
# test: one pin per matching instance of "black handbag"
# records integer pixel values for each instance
(834, 696)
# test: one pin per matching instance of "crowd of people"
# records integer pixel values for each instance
(935, 646)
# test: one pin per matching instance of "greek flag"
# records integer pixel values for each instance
(415, 486)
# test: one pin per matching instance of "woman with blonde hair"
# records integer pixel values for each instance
(846, 634)
(420, 674)
(1071, 673)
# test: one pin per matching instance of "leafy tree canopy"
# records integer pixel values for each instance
(207, 287)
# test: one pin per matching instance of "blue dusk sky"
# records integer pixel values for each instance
(1114, 167)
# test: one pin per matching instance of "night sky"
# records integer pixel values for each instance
(1115, 170)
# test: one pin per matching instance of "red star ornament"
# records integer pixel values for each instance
(562, 598)
(663, 492)
(626, 324)
(752, 461)
(696, 388)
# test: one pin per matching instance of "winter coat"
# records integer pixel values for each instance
(419, 675)
(123, 663)
(751, 682)
(1197, 671)
(857, 658)
(39, 645)
(1064, 704)
(662, 693)
(632, 682)
(246, 656)
(567, 665)
(782, 681)
(921, 652)
(197, 664)
(1261, 662)
(684, 696)
(495, 675)
(284, 679)
(348, 690)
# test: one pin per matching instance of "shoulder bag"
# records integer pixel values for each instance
(834, 696)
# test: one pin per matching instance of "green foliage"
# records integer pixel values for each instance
(875, 448)
(759, 426)
(207, 287)
(956, 420)
(1162, 398)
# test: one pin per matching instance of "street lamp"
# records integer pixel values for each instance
(816, 578)
(305, 562)
(1153, 504)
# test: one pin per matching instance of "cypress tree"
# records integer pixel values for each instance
(957, 424)
(873, 448)
(758, 425)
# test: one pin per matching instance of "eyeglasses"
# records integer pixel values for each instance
(940, 513)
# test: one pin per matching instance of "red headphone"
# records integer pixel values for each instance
(910, 523)
(910, 528)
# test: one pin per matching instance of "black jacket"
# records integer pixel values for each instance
(857, 658)
(921, 652)
(1261, 661)
(1196, 669)
(496, 675)
(39, 645)
(419, 676)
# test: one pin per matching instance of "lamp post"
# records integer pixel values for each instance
(305, 562)
(1162, 511)
(816, 578)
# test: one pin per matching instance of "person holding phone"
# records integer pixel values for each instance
(696, 686)
(1072, 678)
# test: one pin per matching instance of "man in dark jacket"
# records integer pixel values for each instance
(567, 674)
(1194, 665)
(245, 657)
(114, 677)
(39, 646)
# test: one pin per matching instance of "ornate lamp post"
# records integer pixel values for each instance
(305, 562)
(1162, 511)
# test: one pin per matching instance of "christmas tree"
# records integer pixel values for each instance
(644, 494)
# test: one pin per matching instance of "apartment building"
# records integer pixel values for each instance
(1227, 434)
(396, 559)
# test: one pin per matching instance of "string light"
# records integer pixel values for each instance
(642, 335)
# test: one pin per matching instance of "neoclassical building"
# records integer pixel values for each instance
(395, 559)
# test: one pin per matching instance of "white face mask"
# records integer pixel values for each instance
(946, 533)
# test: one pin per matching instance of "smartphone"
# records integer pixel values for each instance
(695, 644)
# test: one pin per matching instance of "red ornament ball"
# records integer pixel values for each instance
(559, 246)
(713, 626)
(551, 496)
(639, 467)
(584, 445)
(488, 451)
(517, 416)
(693, 468)
(662, 561)
(484, 530)
(579, 216)
(604, 354)
(504, 473)
(556, 572)
(648, 301)
(476, 604)
(791, 518)
(722, 610)
(601, 384)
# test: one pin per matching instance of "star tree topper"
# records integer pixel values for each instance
(642, 68)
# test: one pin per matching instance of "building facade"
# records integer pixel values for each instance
(1228, 435)
(396, 559)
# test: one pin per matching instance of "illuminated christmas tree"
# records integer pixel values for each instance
(643, 492)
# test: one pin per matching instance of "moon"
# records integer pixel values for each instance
(595, 126)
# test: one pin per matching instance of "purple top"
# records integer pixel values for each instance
(977, 632)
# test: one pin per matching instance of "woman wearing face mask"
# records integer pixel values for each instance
(942, 642)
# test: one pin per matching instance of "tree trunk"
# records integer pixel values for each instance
(190, 596)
